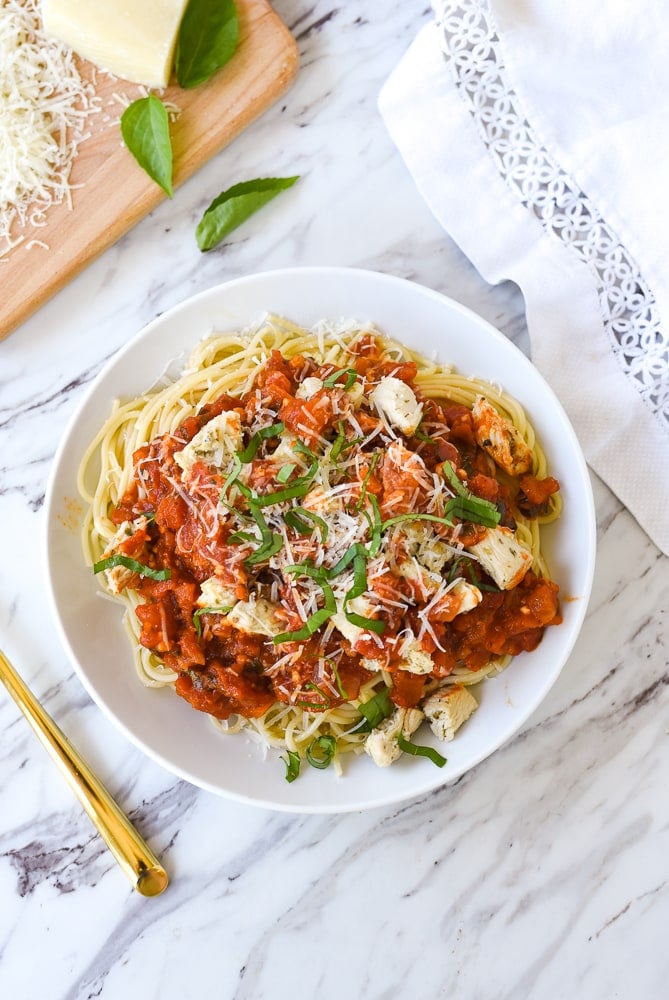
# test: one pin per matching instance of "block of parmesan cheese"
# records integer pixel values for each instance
(133, 39)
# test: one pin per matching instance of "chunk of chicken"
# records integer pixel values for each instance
(214, 444)
(381, 744)
(415, 660)
(214, 594)
(447, 709)
(397, 402)
(460, 597)
(502, 557)
(360, 606)
(256, 617)
(309, 387)
(118, 577)
(500, 439)
(421, 540)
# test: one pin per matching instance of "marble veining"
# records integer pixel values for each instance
(542, 873)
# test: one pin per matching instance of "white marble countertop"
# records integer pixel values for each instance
(541, 873)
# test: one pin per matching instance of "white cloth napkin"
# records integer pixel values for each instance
(538, 133)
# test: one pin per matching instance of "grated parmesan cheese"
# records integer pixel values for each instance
(44, 107)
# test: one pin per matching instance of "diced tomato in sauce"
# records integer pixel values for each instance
(223, 670)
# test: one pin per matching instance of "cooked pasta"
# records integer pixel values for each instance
(321, 538)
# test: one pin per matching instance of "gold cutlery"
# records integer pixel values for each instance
(131, 852)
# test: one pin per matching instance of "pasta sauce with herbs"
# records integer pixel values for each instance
(343, 525)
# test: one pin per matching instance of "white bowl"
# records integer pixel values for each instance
(163, 725)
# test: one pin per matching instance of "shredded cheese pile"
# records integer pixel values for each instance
(44, 107)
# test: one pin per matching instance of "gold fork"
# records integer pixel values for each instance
(137, 861)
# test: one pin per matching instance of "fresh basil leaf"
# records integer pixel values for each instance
(294, 518)
(318, 618)
(315, 706)
(456, 485)
(145, 128)
(416, 750)
(370, 471)
(369, 624)
(118, 559)
(351, 378)
(264, 434)
(466, 505)
(208, 37)
(235, 205)
(213, 610)
(378, 708)
(270, 541)
(292, 762)
(320, 751)
(285, 472)
(473, 509)
(422, 436)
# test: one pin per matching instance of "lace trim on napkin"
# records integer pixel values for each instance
(471, 46)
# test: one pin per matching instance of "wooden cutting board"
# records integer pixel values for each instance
(115, 193)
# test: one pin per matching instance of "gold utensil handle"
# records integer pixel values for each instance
(133, 855)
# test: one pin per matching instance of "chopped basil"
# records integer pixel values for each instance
(422, 436)
(207, 39)
(316, 573)
(420, 751)
(249, 453)
(312, 625)
(240, 537)
(464, 567)
(415, 517)
(136, 567)
(339, 442)
(472, 508)
(316, 706)
(145, 129)
(353, 552)
(466, 508)
(358, 588)
(234, 206)
(356, 554)
(375, 711)
(285, 472)
(270, 541)
(318, 618)
(321, 751)
(292, 762)
(233, 472)
(294, 518)
(370, 624)
(359, 576)
(208, 611)
(351, 378)
(298, 488)
(304, 450)
(311, 706)
(368, 475)
(340, 686)
(265, 552)
(454, 481)
(376, 526)
(466, 505)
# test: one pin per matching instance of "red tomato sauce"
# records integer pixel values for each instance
(190, 531)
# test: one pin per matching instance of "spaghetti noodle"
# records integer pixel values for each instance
(321, 538)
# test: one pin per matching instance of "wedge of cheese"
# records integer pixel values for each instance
(134, 39)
